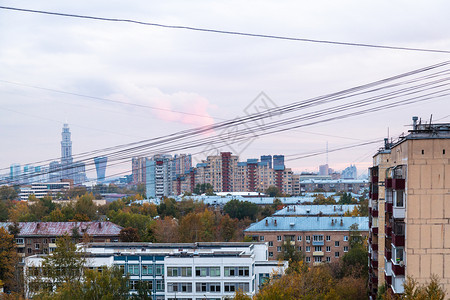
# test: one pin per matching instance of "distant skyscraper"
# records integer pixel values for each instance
(323, 170)
(69, 170)
(100, 166)
(278, 162)
(350, 173)
(14, 173)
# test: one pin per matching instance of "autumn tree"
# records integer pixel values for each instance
(129, 234)
(273, 191)
(320, 199)
(85, 206)
(165, 230)
(241, 209)
(8, 259)
(8, 193)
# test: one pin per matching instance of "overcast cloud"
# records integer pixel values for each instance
(212, 75)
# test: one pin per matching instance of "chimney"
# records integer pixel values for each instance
(342, 222)
(332, 222)
(386, 144)
(100, 225)
(267, 222)
(294, 207)
(415, 118)
(275, 222)
(334, 207)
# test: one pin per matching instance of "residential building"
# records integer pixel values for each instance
(315, 210)
(185, 271)
(159, 176)
(320, 239)
(357, 186)
(138, 166)
(40, 237)
(323, 170)
(410, 202)
(350, 173)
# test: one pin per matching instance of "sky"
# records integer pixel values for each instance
(47, 63)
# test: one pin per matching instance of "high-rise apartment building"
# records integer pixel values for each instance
(159, 176)
(138, 165)
(350, 173)
(410, 209)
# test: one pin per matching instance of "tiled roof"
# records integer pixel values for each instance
(61, 228)
(309, 224)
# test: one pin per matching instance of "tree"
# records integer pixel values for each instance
(273, 191)
(241, 209)
(168, 207)
(85, 206)
(76, 191)
(129, 234)
(8, 258)
(144, 291)
(166, 230)
(8, 193)
(290, 253)
(322, 200)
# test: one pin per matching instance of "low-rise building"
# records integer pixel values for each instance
(320, 239)
(315, 210)
(184, 271)
(40, 237)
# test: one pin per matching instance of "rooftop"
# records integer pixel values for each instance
(312, 210)
(61, 228)
(309, 224)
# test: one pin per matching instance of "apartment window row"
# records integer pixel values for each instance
(316, 238)
(179, 271)
(236, 271)
(235, 286)
(185, 287)
(207, 271)
(146, 269)
(210, 287)
(156, 285)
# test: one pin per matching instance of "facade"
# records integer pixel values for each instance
(185, 271)
(315, 210)
(350, 173)
(138, 166)
(100, 167)
(159, 176)
(357, 186)
(410, 202)
(40, 237)
(323, 170)
(320, 239)
(41, 190)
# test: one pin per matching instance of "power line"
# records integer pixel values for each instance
(236, 33)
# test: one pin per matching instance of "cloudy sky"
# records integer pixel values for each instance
(49, 64)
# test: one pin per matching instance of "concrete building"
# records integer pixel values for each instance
(138, 167)
(315, 210)
(350, 173)
(410, 209)
(159, 176)
(320, 239)
(185, 271)
(40, 237)
(357, 186)
(41, 190)
(323, 170)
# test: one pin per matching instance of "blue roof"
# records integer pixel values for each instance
(311, 210)
(309, 224)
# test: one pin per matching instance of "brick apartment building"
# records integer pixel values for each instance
(410, 209)
(320, 239)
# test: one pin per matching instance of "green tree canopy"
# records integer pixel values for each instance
(241, 209)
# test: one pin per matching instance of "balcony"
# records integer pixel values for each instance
(397, 284)
(374, 264)
(374, 212)
(388, 279)
(374, 230)
(387, 267)
(318, 253)
(398, 270)
(374, 195)
(388, 231)
(317, 243)
(398, 184)
(388, 183)
(374, 279)
(374, 247)
(387, 254)
(374, 179)
(398, 240)
(398, 212)
(388, 207)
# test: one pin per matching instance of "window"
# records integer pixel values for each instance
(147, 270)
(234, 286)
(345, 248)
(307, 238)
(122, 269)
(278, 249)
(318, 238)
(336, 243)
(53, 240)
(336, 254)
(236, 271)
(317, 259)
(212, 287)
(328, 248)
(159, 285)
(207, 271)
(308, 249)
(279, 238)
(261, 238)
(270, 244)
(270, 254)
(299, 238)
(133, 284)
(308, 259)
(20, 241)
(133, 269)
(300, 248)
(185, 287)
(317, 248)
(159, 270)
(328, 238)
(29, 250)
(345, 238)
(328, 259)
(214, 271)
(37, 246)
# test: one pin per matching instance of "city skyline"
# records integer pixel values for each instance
(113, 86)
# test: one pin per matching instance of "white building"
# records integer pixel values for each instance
(186, 271)
(40, 190)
